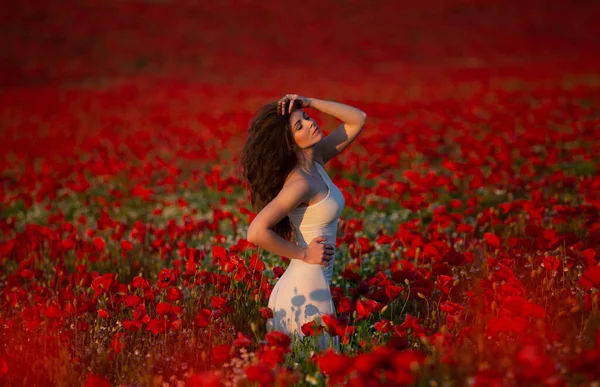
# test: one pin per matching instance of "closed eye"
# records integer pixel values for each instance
(306, 117)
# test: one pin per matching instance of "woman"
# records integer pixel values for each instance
(283, 162)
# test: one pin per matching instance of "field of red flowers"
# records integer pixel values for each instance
(469, 249)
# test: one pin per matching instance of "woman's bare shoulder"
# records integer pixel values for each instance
(299, 178)
(294, 175)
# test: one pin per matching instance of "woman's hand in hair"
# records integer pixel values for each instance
(285, 104)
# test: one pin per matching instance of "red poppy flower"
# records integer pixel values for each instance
(163, 308)
(217, 302)
(96, 381)
(465, 228)
(266, 312)
(492, 239)
(278, 339)
(256, 264)
(157, 326)
(126, 246)
(132, 301)
(241, 340)
(132, 326)
(311, 328)
(99, 243)
(221, 354)
(334, 365)
(383, 326)
(174, 294)
(205, 379)
(118, 342)
(166, 278)
(202, 319)
(364, 308)
(261, 373)
(590, 278)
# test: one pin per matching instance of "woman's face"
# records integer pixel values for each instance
(305, 130)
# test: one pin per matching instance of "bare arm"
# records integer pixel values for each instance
(259, 231)
(354, 120)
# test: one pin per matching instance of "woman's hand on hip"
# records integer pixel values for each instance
(318, 253)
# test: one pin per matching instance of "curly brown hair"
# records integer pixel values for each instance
(268, 157)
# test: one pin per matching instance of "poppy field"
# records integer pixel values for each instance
(468, 251)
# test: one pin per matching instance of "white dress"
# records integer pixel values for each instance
(302, 292)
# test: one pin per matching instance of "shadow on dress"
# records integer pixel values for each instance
(299, 302)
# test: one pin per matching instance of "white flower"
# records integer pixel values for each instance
(312, 380)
